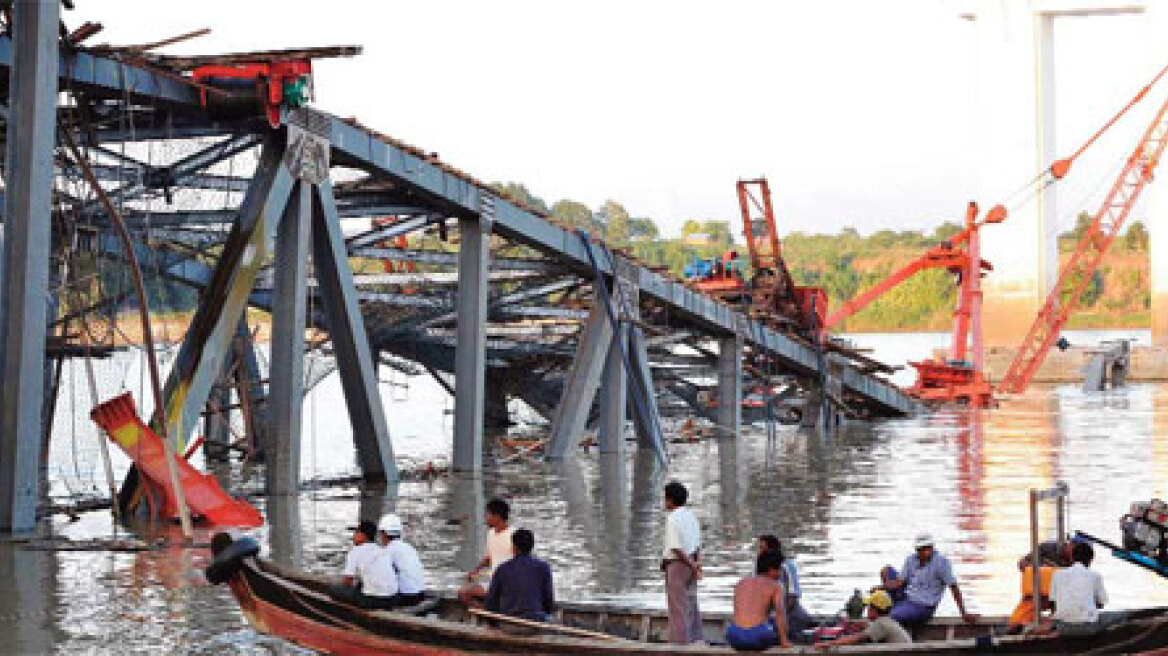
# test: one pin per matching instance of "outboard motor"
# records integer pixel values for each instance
(1145, 529)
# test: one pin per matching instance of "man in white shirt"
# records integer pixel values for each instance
(498, 551)
(403, 558)
(1078, 594)
(680, 562)
(368, 580)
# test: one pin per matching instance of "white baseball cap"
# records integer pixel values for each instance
(924, 540)
(390, 524)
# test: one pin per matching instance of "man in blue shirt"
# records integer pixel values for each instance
(522, 586)
(923, 580)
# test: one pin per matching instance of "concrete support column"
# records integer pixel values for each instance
(614, 408)
(1016, 137)
(729, 414)
(25, 270)
(1155, 202)
(289, 308)
(581, 383)
(470, 364)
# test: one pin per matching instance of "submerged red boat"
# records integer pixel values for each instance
(296, 606)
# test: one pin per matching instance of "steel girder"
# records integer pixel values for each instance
(200, 358)
(459, 196)
(27, 220)
(350, 342)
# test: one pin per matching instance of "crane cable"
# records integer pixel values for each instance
(1060, 167)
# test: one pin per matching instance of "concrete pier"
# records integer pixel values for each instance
(1017, 113)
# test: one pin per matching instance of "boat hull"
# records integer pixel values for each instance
(296, 607)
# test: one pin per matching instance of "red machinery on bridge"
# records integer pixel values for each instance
(771, 292)
(958, 378)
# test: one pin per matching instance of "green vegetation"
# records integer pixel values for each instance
(847, 264)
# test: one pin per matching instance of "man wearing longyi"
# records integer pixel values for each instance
(680, 562)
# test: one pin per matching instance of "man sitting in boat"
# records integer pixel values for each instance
(1078, 594)
(923, 579)
(755, 598)
(522, 586)
(368, 580)
(1052, 555)
(498, 551)
(411, 576)
(798, 619)
(881, 627)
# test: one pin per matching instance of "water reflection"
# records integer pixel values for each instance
(284, 530)
(615, 504)
(467, 511)
(843, 504)
(29, 581)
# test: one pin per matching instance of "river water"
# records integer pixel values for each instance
(843, 506)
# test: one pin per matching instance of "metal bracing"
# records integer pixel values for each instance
(212, 330)
(614, 409)
(581, 384)
(455, 194)
(25, 266)
(350, 343)
(451, 259)
(471, 352)
(395, 229)
(293, 241)
(641, 383)
(729, 412)
(253, 396)
(172, 175)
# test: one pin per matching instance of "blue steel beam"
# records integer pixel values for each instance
(208, 341)
(460, 196)
(25, 278)
(104, 77)
(350, 343)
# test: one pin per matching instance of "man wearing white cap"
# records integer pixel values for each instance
(411, 576)
(923, 580)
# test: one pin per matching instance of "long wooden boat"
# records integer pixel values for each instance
(296, 606)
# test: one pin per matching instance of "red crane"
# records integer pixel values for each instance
(1106, 224)
(958, 378)
(772, 289)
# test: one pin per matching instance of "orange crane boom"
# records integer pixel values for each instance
(1076, 274)
(944, 255)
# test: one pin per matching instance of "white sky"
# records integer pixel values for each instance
(861, 112)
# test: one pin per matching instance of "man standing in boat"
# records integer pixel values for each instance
(498, 551)
(411, 576)
(755, 598)
(680, 562)
(923, 580)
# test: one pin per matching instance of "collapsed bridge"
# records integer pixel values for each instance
(234, 194)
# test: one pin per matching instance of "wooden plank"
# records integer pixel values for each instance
(544, 626)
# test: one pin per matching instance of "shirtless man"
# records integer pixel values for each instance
(755, 598)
